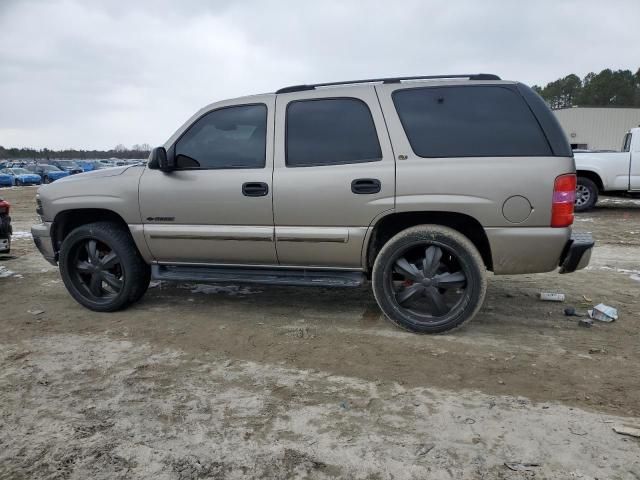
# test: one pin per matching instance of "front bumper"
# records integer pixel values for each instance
(577, 252)
(42, 238)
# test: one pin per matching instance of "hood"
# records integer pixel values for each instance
(106, 172)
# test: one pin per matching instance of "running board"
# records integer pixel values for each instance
(272, 276)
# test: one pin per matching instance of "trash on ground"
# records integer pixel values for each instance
(625, 430)
(603, 313)
(35, 312)
(552, 297)
(587, 299)
(575, 430)
(593, 351)
(571, 312)
(521, 466)
(585, 322)
(424, 449)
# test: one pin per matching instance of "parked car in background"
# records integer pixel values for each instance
(5, 227)
(19, 164)
(22, 176)
(67, 166)
(6, 180)
(419, 184)
(612, 172)
(106, 163)
(90, 165)
(48, 173)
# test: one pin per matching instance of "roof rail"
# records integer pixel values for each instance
(302, 88)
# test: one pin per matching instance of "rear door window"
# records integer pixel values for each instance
(330, 131)
(474, 121)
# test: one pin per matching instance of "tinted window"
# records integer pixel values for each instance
(233, 137)
(626, 143)
(469, 122)
(330, 131)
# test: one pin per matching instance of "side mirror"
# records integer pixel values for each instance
(159, 159)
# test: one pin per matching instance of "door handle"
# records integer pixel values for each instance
(365, 186)
(255, 189)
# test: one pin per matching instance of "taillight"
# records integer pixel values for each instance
(564, 197)
(4, 206)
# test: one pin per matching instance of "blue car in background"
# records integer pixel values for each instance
(22, 176)
(48, 173)
(91, 165)
(5, 180)
(67, 166)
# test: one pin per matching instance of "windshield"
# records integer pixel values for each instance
(19, 171)
(49, 168)
(67, 163)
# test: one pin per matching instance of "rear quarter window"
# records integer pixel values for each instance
(469, 121)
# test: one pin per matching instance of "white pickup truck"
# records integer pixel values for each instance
(615, 172)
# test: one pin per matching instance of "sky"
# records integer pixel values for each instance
(96, 73)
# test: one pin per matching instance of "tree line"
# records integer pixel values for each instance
(619, 88)
(119, 151)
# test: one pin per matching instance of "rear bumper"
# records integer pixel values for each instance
(42, 238)
(516, 250)
(577, 252)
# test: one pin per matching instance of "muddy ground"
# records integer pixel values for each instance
(200, 381)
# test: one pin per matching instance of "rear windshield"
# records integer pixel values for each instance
(478, 121)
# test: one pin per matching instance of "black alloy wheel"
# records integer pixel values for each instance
(429, 279)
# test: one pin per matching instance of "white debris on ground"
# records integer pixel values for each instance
(5, 272)
(160, 414)
(618, 201)
(633, 274)
(21, 235)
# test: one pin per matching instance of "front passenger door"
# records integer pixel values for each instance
(216, 207)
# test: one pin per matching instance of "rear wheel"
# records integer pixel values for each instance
(46, 179)
(429, 279)
(101, 267)
(586, 194)
(18, 183)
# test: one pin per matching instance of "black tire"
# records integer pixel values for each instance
(586, 194)
(18, 183)
(87, 254)
(456, 275)
(46, 179)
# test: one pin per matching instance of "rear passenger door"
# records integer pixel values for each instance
(334, 173)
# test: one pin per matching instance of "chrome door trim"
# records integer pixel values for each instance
(312, 234)
(210, 232)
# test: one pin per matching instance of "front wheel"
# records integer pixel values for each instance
(18, 183)
(46, 179)
(429, 279)
(586, 194)
(102, 268)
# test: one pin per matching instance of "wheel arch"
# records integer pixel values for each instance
(389, 225)
(593, 176)
(67, 220)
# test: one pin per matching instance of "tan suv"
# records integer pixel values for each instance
(420, 184)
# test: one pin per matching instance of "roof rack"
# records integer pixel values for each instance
(302, 88)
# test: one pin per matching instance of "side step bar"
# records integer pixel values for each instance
(272, 276)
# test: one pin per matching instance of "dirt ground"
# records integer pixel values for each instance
(201, 381)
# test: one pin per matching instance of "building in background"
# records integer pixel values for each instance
(597, 128)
